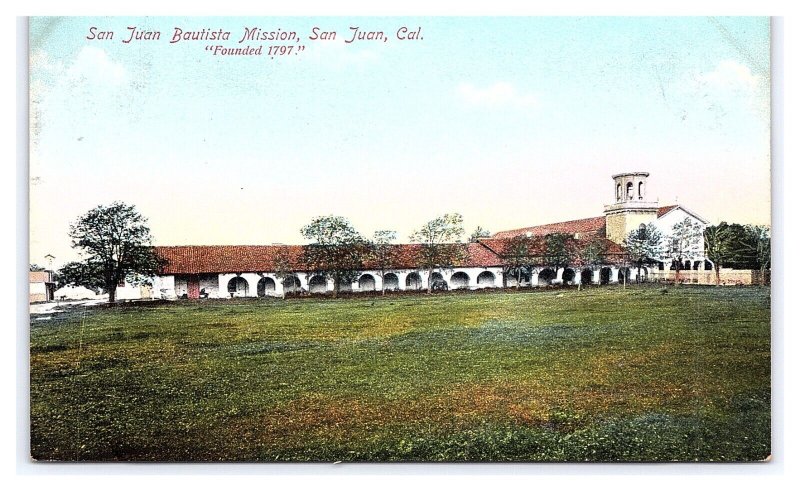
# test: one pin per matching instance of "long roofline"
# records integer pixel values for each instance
(522, 230)
(253, 258)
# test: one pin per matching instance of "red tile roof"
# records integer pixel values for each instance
(665, 209)
(241, 259)
(480, 256)
(595, 225)
(501, 247)
(614, 254)
(225, 259)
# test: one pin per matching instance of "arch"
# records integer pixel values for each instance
(629, 191)
(391, 282)
(413, 281)
(605, 275)
(459, 280)
(641, 190)
(619, 192)
(687, 265)
(238, 287)
(436, 276)
(568, 275)
(366, 283)
(317, 284)
(586, 276)
(622, 274)
(486, 279)
(708, 266)
(265, 285)
(291, 284)
(546, 276)
(511, 278)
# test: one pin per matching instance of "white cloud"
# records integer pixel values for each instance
(730, 75)
(500, 94)
(730, 88)
(93, 65)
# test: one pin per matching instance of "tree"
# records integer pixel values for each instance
(644, 245)
(738, 246)
(686, 241)
(116, 243)
(720, 246)
(337, 251)
(81, 273)
(759, 246)
(479, 233)
(558, 250)
(518, 257)
(282, 263)
(590, 253)
(383, 253)
(439, 241)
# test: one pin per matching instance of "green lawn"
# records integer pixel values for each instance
(642, 374)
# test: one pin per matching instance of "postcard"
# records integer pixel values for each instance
(400, 239)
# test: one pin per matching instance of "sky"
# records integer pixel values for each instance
(510, 121)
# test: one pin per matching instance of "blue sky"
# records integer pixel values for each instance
(509, 121)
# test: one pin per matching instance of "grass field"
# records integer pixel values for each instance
(642, 374)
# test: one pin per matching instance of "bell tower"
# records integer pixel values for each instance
(631, 207)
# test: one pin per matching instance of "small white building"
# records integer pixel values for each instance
(40, 286)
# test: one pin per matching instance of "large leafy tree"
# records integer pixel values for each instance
(686, 241)
(739, 247)
(742, 245)
(720, 246)
(284, 269)
(383, 254)
(644, 245)
(337, 250)
(519, 257)
(591, 253)
(440, 245)
(88, 274)
(758, 245)
(115, 243)
(558, 250)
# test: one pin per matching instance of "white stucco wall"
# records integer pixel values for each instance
(666, 222)
(38, 288)
(133, 292)
(164, 287)
(217, 286)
